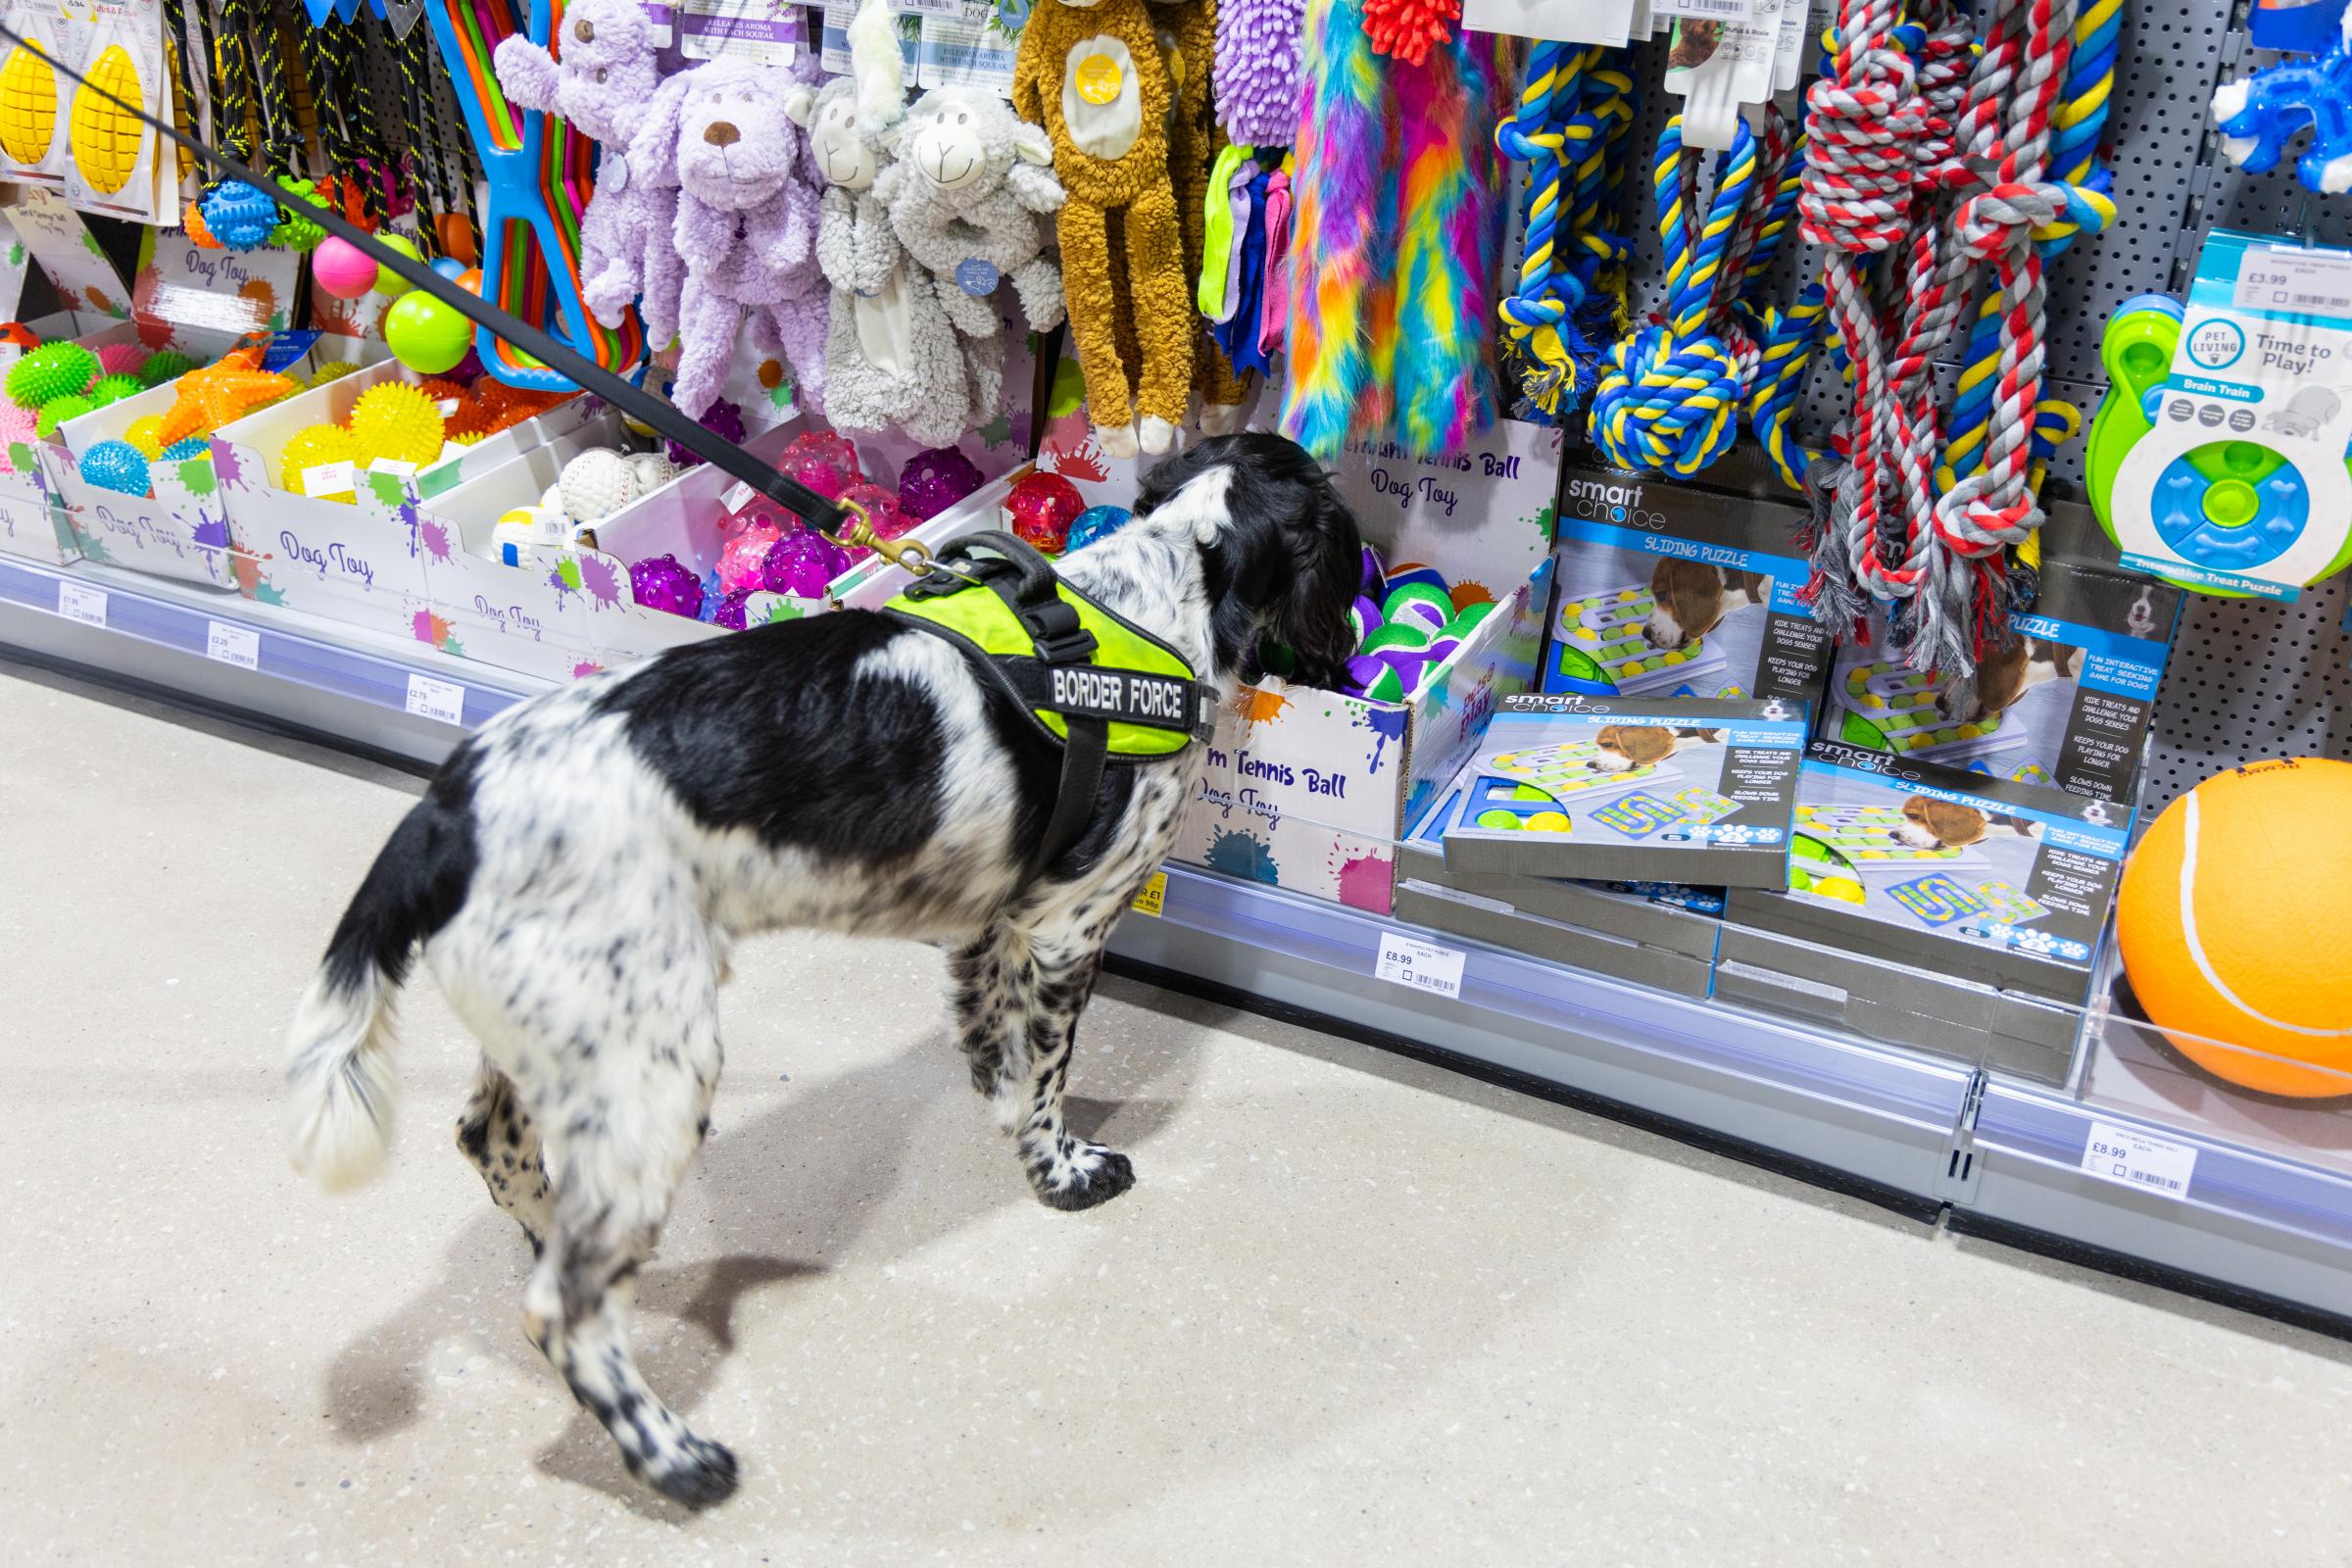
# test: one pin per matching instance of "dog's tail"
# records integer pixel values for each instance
(339, 1076)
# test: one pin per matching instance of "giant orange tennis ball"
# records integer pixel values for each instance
(2234, 920)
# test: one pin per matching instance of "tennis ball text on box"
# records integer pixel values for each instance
(1318, 782)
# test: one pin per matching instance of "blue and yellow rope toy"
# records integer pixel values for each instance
(1670, 395)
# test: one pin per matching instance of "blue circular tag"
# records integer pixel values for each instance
(976, 276)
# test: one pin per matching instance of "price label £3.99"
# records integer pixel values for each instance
(1419, 965)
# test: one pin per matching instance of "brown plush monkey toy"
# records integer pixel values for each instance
(1089, 72)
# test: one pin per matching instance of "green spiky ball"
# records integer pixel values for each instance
(61, 370)
(112, 387)
(166, 365)
(57, 410)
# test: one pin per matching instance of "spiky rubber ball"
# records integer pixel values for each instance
(57, 410)
(61, 370)
(393, 419)
(114, 466)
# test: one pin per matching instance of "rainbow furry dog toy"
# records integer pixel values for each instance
(1396, 216)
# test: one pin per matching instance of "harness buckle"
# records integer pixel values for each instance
(1061, 638)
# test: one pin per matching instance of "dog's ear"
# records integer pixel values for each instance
(1326, 565)
(654, 150)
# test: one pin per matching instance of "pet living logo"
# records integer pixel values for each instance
(1607, 501)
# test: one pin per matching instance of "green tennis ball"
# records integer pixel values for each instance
(1418, 603)
(1467, 618)
(55, 411)
(1405, 638)
(165, 364)
(112, 387)
(61, 370)
(1385, 685)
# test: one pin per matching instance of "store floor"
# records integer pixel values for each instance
(1357, 1310)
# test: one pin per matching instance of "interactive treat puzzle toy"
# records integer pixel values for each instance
(1601, 640)
(1888, 708)
(1567, 771)
(1863, 837)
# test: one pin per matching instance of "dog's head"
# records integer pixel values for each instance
(1279, 552)
(736, 148)
(1930, 824)
(1689, 599)
(2005, 674)
(1629, 746)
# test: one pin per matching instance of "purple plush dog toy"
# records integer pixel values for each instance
(603, 78)
(748, 211)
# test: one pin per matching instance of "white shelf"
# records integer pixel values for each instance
(1912, 1129)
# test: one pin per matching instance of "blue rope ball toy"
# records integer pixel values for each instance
(114, 466)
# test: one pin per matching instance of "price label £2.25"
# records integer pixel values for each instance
(1419, 965)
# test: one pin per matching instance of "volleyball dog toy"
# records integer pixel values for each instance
(395, 421)
(114, 466)
(2235, 504)
(2232, 921)
(59, 371)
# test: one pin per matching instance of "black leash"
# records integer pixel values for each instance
(825, 517)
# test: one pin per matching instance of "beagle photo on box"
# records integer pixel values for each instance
(1688, 599)
(1622, 747)
(1932, 824)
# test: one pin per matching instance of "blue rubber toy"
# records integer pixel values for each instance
(1096, 523)
(195, 446)
(114, 466)
(2259, 114)
(239, 215)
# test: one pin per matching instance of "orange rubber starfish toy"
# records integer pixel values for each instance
(229, 390)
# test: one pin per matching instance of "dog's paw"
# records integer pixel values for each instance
(696, 1473)
(1080, 1176)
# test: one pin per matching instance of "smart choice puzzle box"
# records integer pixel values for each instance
(1933, 907)
(2066, 701)
(1666, 591)
(1688, 789)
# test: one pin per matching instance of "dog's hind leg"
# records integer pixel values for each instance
(621, 1141)
(995, 983)
(496, 1135)
(1065, 1171)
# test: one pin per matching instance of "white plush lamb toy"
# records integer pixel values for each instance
(967, 198)
(890, 356)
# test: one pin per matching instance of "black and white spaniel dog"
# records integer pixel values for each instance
(578, 869)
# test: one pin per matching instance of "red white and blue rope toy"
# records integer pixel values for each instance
(1890, 159)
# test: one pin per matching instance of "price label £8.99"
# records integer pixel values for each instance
(1419, 965)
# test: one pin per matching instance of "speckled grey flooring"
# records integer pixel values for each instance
(1357, 1310)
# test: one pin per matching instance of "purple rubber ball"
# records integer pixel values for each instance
(723, 420)
(935, 480)
(666, 583)
(803, 566)
(731, 613)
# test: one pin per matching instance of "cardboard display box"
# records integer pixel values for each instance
(1310, 790)
(180, 529)
(1678, 789)
(1665, 590)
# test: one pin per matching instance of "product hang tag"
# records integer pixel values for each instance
(977, 277)
(612, 173)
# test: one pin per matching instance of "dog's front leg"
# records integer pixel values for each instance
(1066, 1171)
(995, 983)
